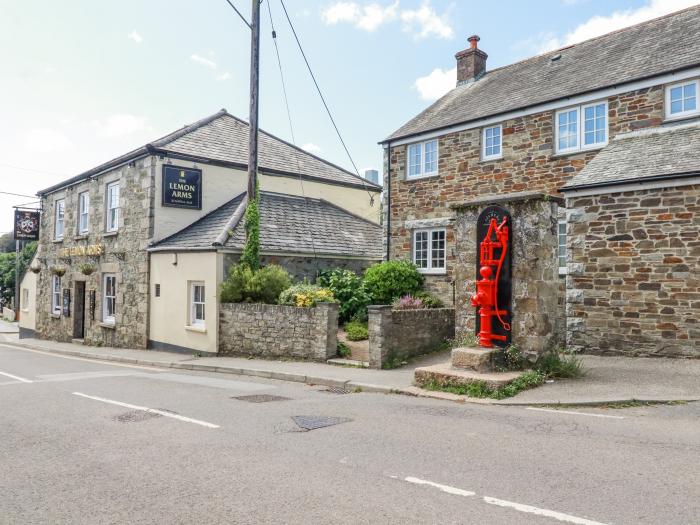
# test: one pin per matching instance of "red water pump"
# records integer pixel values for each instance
(492, 253)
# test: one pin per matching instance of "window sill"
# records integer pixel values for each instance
(80, 237)
(54, 315)
(577, 152)
(56, 241)
(685, 116)
(421, 177)
(110, 234)
(486, 160)
(109, 326)
(195, 328)
(433, 272)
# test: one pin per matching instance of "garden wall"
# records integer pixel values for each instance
(269, 330)
(395, 335)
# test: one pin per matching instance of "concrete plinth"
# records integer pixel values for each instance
(475, 358)
(446, 374)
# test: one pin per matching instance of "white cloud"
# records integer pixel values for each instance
(46, 140)
(203, 61)
(120, 125)
(599, 25)
(223, 76)
(135, 36)
(423, 22)
(437, 83)
(311, 148)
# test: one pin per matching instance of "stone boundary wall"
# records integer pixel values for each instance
(270, 330)
(400, 334)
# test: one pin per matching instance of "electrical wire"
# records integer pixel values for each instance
(330, 115)
(239, 14)
(18, 194)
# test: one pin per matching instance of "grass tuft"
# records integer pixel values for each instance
(560, 364)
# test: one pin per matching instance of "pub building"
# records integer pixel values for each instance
(116, 265)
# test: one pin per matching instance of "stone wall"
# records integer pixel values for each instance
(268, 330)
(529, 163)
(305, 267)
(395, 335)
(536, 309)
(634, 272)
(123, 253)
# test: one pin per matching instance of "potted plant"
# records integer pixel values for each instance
(35, 268)
(58, 270)
(87, 268)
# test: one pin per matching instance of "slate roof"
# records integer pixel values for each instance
(221, 137)
(662, 45)
(642, 155)
(288, 224)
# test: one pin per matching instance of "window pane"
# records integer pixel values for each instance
(431, 156)
(589, 113)
(414, 160)
(676, 93)
(676, 106)
(689, 104)
(438, 249)
(420, 249)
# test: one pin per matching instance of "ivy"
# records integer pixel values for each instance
(251, 250)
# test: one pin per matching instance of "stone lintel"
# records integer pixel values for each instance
(505, 198)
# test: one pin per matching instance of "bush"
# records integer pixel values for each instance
(243, 285)
(356, 331)
(349, 290)
(388, 280)
(343, 350)
(557, 363)
(408, 302)
(429, 301)
(306, 295)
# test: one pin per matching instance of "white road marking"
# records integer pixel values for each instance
(573, 413)
(146, 409)
(87, 360)
(17, 378)
(444, 488)
(541, 512)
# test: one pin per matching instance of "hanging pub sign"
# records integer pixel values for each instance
(27, 225)
(182, 187)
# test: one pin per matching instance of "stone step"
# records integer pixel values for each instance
(446, 373)
(348, 362)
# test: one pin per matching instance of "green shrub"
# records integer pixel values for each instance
(388, 280)
(306, 295)
(356, 331)
(343, 350)
(557, 363)
(348, 288)
(244, 285)
(429, 301)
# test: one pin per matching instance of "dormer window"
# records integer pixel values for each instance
(581, 127)
(682, 99)
(422, 159)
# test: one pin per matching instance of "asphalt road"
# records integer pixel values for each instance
(79, 445)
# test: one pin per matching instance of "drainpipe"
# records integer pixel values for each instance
(388, 201)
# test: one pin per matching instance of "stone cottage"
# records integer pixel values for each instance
(520, 134)
(94, 281)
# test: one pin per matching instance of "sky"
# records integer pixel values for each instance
(83, 81)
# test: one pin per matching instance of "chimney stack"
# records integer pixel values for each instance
(471, 63)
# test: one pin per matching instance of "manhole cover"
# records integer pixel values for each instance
(135, 416)
(314, 422)
(260, 398)
(336, 390)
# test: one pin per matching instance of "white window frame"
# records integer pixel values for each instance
(112, 222)
(682, 114)
(498, 155)
(56, 294)
(60, 206)
(106, 317)
(194, 320)
(560, 223)
(83, 211)
(580, 128)
(422, 173)
(430, 269)
(25, 299)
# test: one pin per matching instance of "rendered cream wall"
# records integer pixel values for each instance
(170, 312)
(27, 314)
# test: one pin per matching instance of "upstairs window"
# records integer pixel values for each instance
(112, 207)
(582, 127)
(429, 250)
(422, 159)
(682, 99)
(491, 143)
(83, 212)
(60, 219)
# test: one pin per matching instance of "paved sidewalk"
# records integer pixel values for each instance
(609, 379)
(8, 328)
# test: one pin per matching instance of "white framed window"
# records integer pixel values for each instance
(197, 304)
(422, 159)
(56, 294)
(109, 298)
(60, 219)
(581, 127)
(25, 299)
(429, 250)
(491, 143)
(561, 247)
(83, 212)
(112, 196)
(682, 99)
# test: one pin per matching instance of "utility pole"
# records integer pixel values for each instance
(254, 85)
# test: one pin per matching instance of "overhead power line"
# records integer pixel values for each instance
(17, 194)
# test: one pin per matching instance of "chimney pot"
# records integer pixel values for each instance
(473, 41)
(471, 63)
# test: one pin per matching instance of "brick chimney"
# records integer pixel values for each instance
(471, 63)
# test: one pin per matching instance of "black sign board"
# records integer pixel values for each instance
(92, 298)
(27, 225)
(182, 187)
(66, 302)
(504, 295)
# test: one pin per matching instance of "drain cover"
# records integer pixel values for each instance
(260, 398)
(314, 422)
(135, 416)
(336, 390)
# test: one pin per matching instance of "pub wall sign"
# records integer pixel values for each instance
(182, 187)
(27, 225)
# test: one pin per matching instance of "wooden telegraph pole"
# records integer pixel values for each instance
(254, 85)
